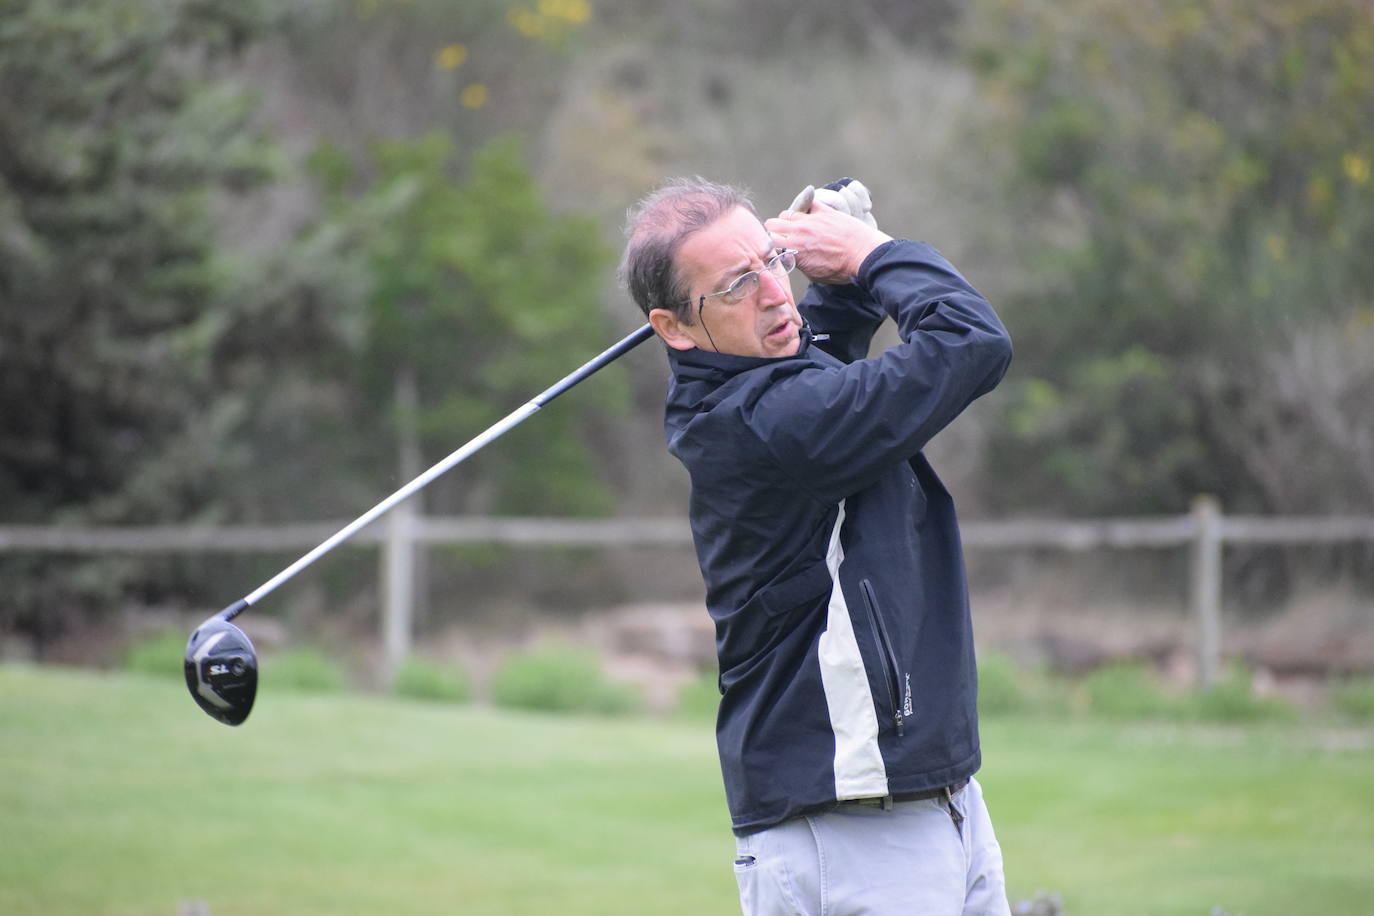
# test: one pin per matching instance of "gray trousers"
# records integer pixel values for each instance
(913, 858)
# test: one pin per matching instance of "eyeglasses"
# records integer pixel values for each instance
(745, 285)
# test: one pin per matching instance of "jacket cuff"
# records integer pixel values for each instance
(876, 255)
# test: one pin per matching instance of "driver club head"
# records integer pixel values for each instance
(222, 670)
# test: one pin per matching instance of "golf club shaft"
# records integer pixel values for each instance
(494, 432)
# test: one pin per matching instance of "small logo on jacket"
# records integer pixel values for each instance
(906, 697)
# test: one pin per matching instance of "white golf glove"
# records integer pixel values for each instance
(848, 195)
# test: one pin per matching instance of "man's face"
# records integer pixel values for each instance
(766, 322)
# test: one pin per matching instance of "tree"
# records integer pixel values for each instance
(478, 298)
(1189, 186)
(114, 144)
(158, 362)
(111, 145)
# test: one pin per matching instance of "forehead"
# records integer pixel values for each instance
(727, 247)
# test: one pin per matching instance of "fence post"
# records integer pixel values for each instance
(1206, 587)
(398, 562)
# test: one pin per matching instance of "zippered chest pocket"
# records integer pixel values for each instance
(898, 680)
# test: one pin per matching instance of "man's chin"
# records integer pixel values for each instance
(784, 345)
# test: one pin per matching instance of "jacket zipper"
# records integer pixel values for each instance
(889, 658)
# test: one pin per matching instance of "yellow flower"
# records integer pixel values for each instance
(474, 96)
(1356, 168)
(567, 10)
(451, 57)
(527, 23)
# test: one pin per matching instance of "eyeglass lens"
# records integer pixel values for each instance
(778, 265)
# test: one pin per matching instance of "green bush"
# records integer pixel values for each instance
(1126, 690)
(162, 655)
(1006, 688)
(1231, 699)
(560, 680)
(301, 669)
(1002, 687)
(699, 699)
(1354, 698)
(424, 680)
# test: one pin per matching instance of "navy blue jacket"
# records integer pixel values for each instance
(829, 548)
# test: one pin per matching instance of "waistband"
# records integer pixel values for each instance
(887, 801)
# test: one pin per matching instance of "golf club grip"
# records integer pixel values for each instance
(495, 431)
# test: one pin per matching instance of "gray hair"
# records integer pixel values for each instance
(657, 226)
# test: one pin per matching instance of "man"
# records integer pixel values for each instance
(847, 728)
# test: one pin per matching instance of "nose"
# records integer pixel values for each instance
(773, 289)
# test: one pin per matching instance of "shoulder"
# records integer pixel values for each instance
(738, 417)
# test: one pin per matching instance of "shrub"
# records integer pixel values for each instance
(699, 699)
(1002, 688)
(1126, 690)
(1231, 699)
(162, 655)
(1006, 688)
(1354, 698)
(301, 669)
(560, 680)
(424, 680)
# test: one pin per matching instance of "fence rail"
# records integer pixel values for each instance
(1204, 530)
(170, 538)
(1080, 535)
(159, 539)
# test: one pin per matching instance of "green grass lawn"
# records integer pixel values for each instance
(118, 796)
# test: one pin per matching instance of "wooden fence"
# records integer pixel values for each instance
(1205, 531)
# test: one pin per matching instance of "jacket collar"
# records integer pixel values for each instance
(697, 365)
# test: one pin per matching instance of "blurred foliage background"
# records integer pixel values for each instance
(264, 261)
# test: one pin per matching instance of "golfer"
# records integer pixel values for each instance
(847, 730)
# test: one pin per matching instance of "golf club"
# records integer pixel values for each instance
(221, 663)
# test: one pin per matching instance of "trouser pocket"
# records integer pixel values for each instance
(778, 870)
(746, 875)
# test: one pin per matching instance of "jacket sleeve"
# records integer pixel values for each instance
(845, 316)
(837, 429)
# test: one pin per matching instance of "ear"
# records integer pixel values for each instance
(674, 333)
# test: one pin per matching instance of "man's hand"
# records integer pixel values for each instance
(831, 243)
